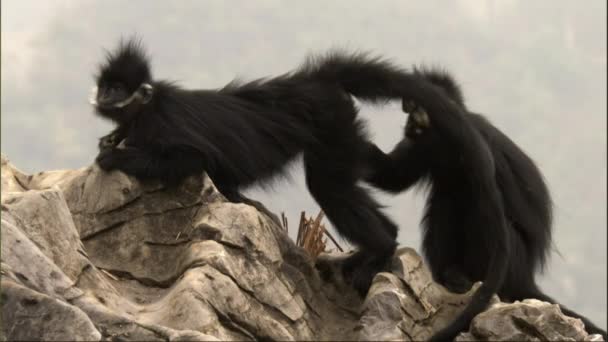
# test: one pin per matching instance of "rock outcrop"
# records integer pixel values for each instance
(88, 255)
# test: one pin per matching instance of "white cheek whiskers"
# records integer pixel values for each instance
(93, 96)
(143, 94)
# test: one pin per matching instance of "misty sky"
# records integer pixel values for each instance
(536, 68)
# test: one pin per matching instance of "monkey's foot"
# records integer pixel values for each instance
(409, 106)
(362, 276)
(455, 281)
(351, 263)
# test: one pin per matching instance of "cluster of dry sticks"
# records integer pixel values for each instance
(311, 234)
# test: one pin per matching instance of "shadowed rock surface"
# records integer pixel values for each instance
(88, 255)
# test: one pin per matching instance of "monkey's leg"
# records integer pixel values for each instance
(331, 176)
(443, 247)
(353, 261)
(356, 219)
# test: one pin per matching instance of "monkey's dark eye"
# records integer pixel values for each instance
(115, 88)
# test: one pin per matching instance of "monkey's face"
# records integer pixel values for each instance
(123, 83)
(114, 101)
(109, 94)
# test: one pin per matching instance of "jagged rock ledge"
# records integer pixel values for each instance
(88, 255)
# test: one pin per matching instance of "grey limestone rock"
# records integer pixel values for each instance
(89, 255)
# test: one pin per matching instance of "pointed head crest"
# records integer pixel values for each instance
(127, 65)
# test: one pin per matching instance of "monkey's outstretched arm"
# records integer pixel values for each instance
(397, 170)
(169, 166)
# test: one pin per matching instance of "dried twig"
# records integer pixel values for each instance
(311, 233)
(333, 240)
(301, 229)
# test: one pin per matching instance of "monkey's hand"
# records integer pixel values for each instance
(109, 141)
(408, 106)
(106, 159)
(418, 121)
(113, 158)
(419, 114)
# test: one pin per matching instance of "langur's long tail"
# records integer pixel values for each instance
(376, 80)
(479, 301)
(369, 79)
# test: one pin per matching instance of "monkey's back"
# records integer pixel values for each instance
(527, 202)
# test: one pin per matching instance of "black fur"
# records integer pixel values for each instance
(247, 132)
(488, 214)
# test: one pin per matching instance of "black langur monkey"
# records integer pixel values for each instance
(247, 132)
(488, 213)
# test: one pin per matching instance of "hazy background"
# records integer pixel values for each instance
(537, 68)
